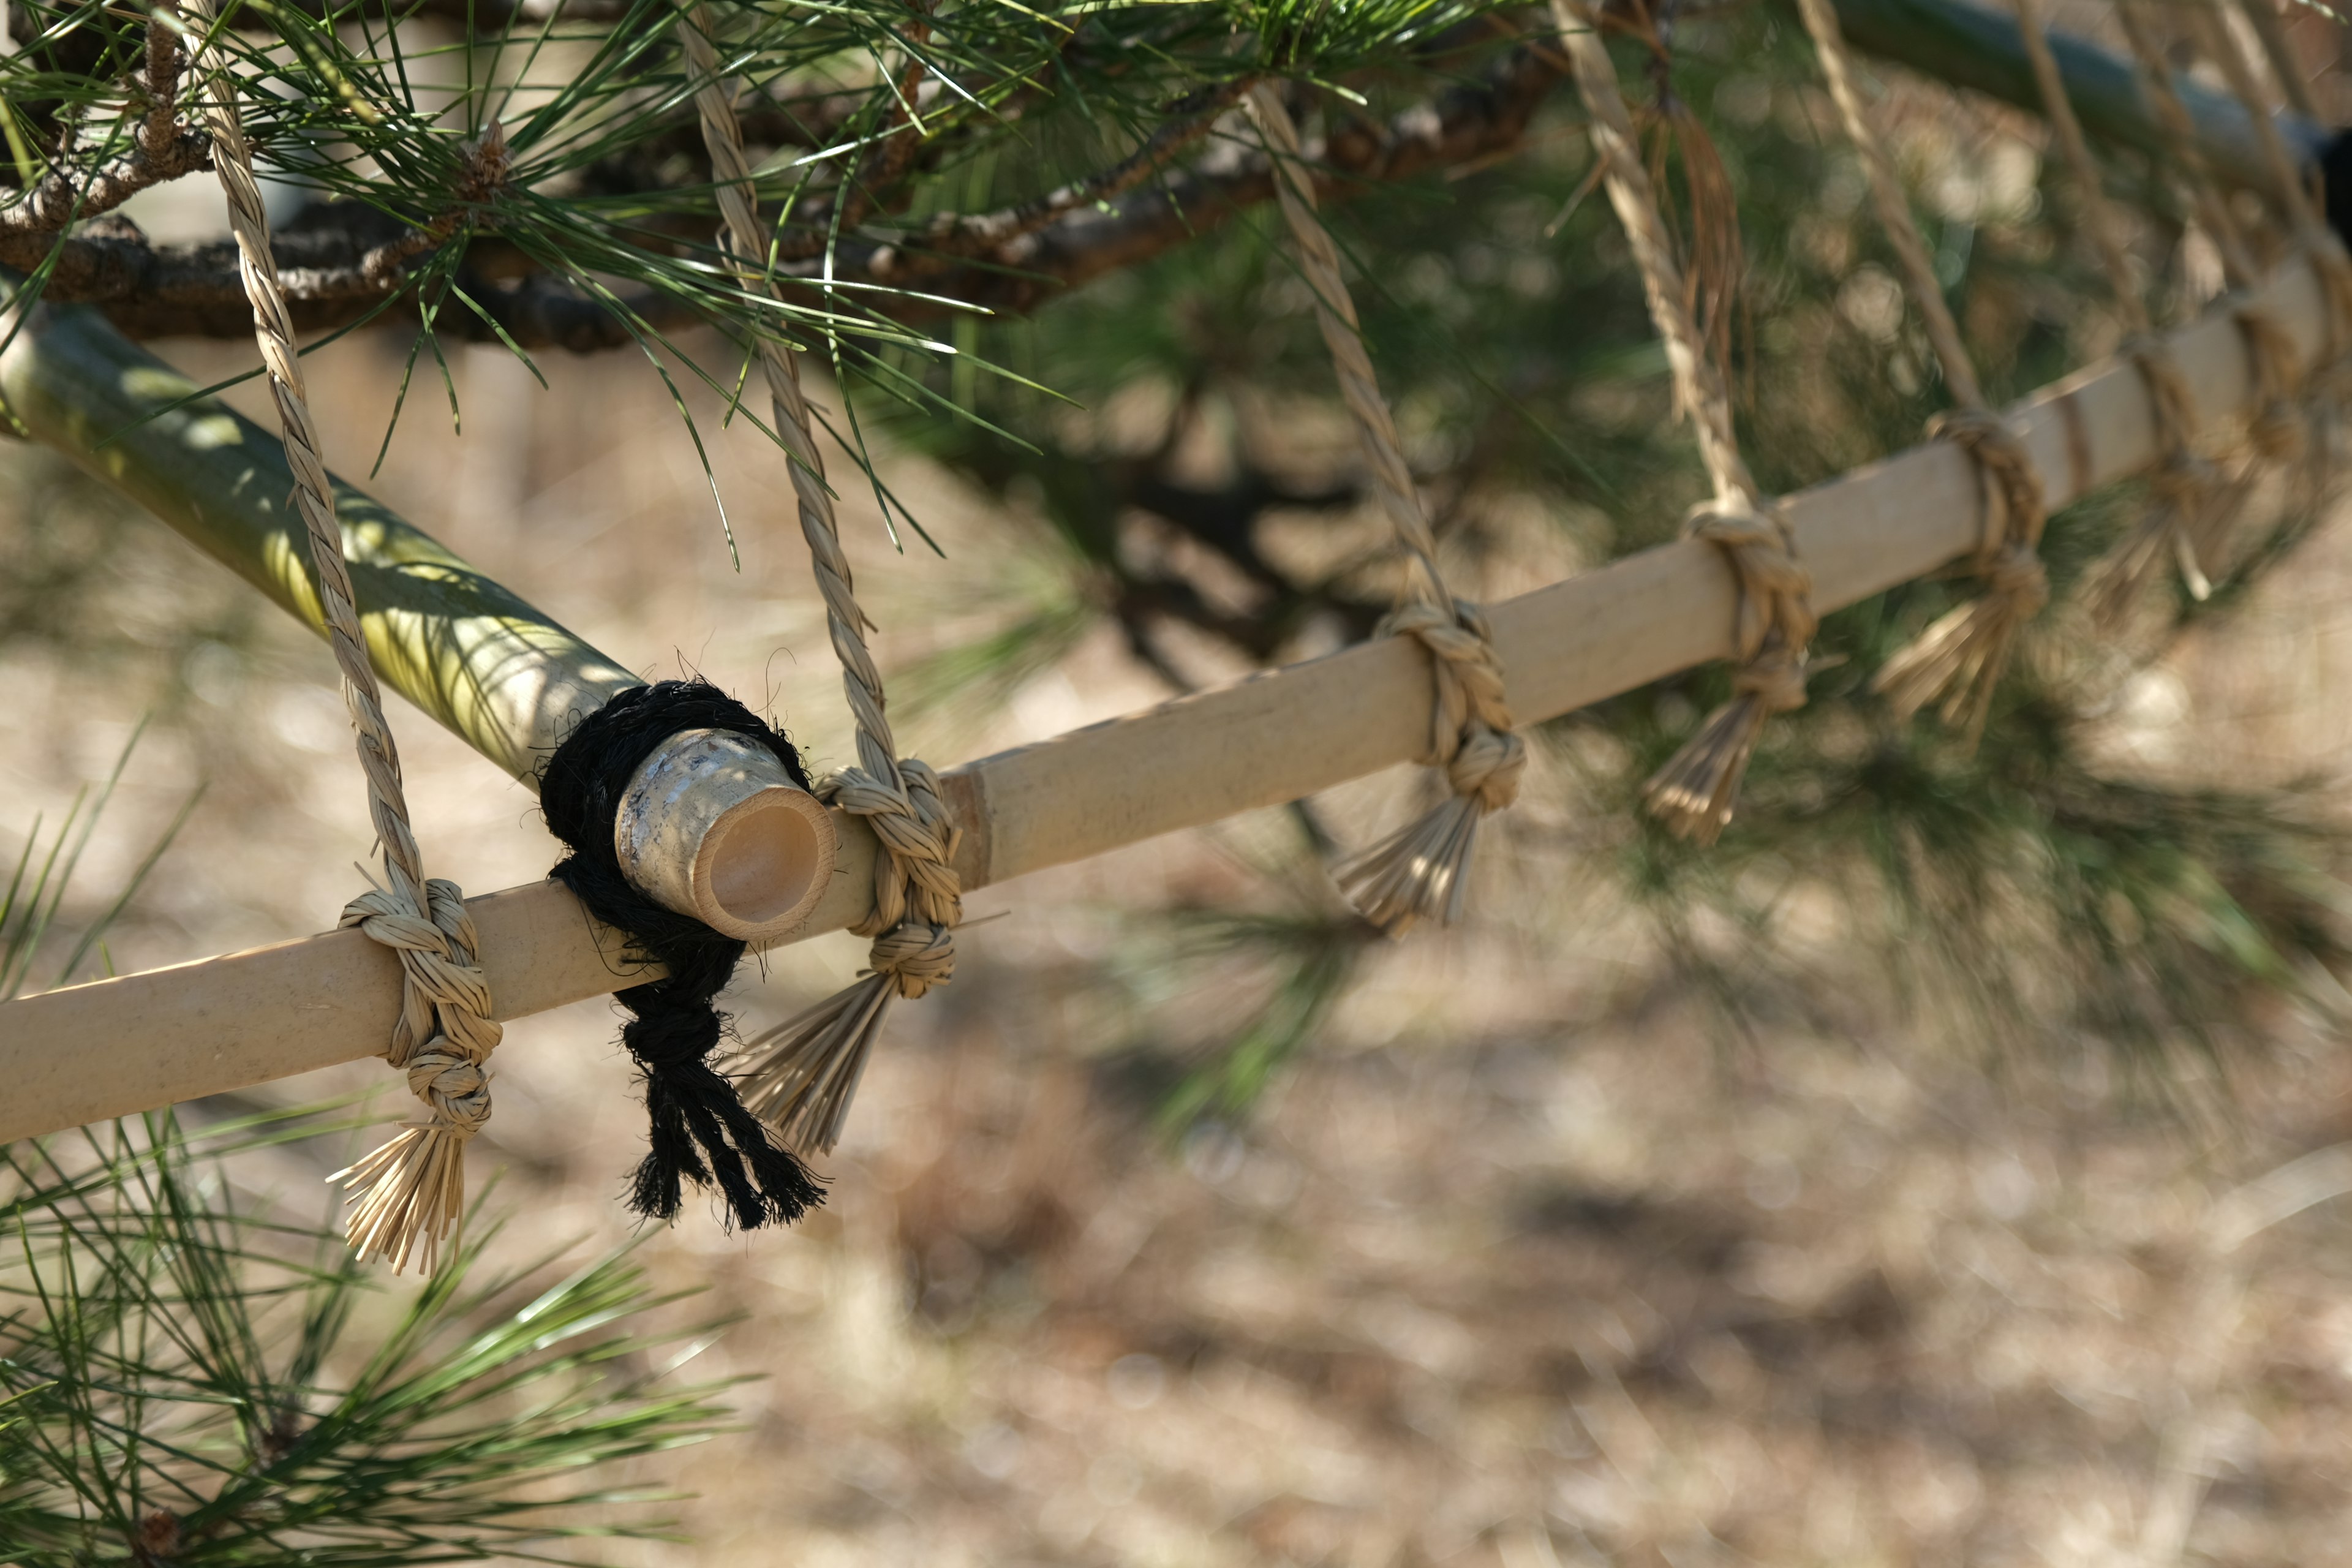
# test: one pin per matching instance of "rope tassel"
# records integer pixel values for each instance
(800, 1077)
(2190, 511)
(1421, 871)
(411, 1193)
(1955, 664)
(806, 1071)
(1695, 792)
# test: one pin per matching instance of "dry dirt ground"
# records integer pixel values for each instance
(1523, 1268)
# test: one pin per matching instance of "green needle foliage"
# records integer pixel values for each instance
(37, 885)
(186, 1380)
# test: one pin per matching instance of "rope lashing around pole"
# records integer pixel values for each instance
(1422, 871)
(410, 1194)
(2188, 496)
(1695, 792)
(2313, 236)
(1955, 664)
(700, 1130)
(2279, 429)
(2182, 518)
(800, 1077)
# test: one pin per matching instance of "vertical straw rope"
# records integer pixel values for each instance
(800, 1077)
(1695, 792)
(1957, 661)
(2277, 431)
(2185, 487)
(411, 1193)
(2270, 30)
(2293, 200)
(1421, 870)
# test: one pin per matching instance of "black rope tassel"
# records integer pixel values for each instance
(701, 1132)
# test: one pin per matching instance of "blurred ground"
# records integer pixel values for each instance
(1530, 1264)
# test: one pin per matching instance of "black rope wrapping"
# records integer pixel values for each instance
(701, 1131)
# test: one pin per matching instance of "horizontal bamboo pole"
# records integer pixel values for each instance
(475, 657)
(150, 1039)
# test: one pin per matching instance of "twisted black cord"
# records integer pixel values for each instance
(699, 1131)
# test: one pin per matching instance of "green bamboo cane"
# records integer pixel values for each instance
(505, 677)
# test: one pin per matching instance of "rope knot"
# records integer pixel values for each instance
(1487, 766)
(1694, 795)
(454, 1086)
(1776, 679)
(1469, 674)
(2017, 574)
(914, 956)
(443, 993)
(1775, 589)
(2015, 508)
(916, 874)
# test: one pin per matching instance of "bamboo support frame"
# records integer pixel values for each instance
(145, 1040)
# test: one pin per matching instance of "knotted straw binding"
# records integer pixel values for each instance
(442, 1041)
(2277, 429)
(1695, 794)
(410, 1194)
(802, 1082)
(1957, 661)
(2184, 513)
(800, 1076)
(1422, 869)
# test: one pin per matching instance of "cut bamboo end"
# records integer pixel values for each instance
(712, 826)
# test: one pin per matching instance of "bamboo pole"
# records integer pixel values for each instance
(145, 1040)
(472, 655)
(503, 675)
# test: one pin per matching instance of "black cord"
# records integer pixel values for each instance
(700, 1130)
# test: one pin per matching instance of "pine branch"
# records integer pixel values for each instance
(341, 258)
(28, 226)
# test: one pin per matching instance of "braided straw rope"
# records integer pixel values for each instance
(1695, 792)
(2188, 494)
(411, 1193)
(800, 1077)
(2313, 235)
(2279, 429)
(1422, 869)
(1957, 661)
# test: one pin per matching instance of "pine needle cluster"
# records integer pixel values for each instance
(185, 1378)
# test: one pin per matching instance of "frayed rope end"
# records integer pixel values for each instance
(408, 1196)
(1696, 791)
(800, 1077)
(1421, 871)
(1955, 664)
